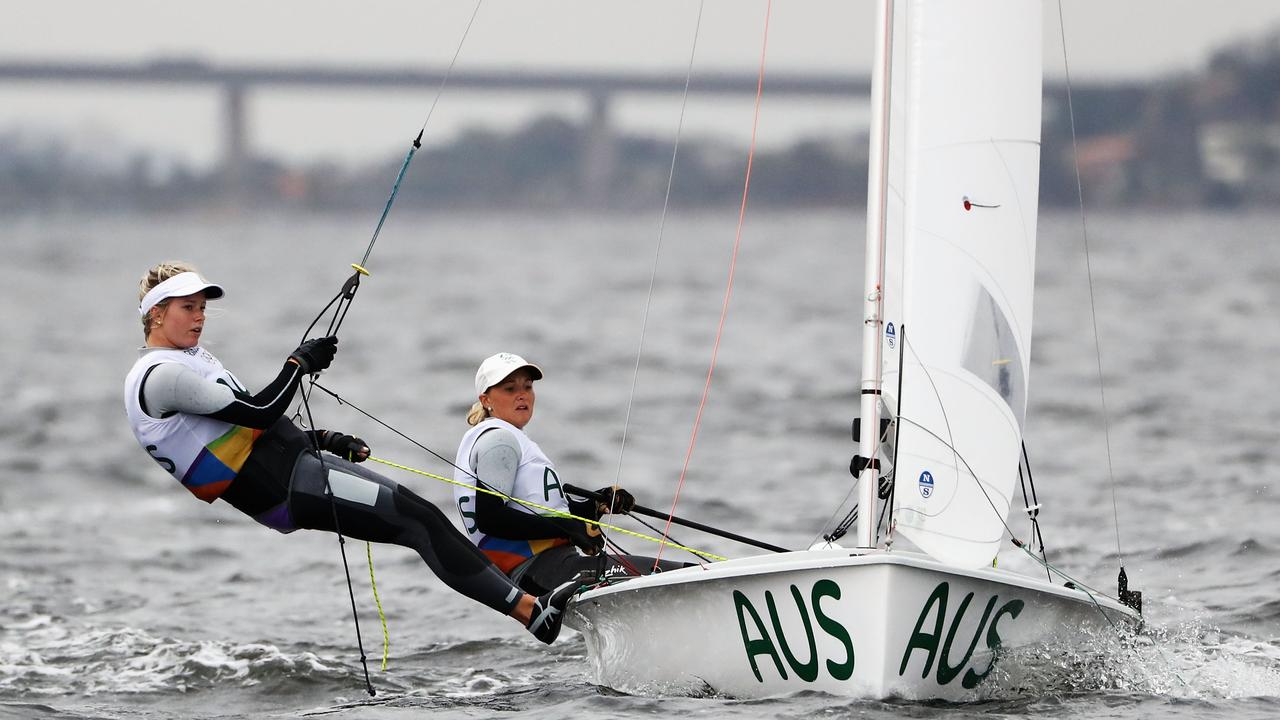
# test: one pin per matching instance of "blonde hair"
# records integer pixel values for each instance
(477, 413)
(154, 277)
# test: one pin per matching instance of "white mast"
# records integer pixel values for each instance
(873, 263)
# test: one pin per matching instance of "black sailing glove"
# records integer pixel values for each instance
(585, 536)
(615, 500)
(315, 354)
(346, 447)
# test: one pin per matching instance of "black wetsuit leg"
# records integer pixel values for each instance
(559, 564)
(371, 507)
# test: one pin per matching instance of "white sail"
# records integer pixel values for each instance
(956, 208)
(959, 274)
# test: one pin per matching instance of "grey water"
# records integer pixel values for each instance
(122, 596)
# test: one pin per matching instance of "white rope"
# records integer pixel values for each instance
(1093, 307)
(657, 250)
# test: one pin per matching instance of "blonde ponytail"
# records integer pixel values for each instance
(477, 414)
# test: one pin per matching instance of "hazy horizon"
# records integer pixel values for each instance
(1129, 40)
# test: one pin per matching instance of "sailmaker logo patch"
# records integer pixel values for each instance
(926, 484)
(890, 336)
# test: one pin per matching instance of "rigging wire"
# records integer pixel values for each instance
(417, 142)
(897, 431)
(1093, 308)
(349, 288)
(341, 303)
(1014, 538)
(657, 250)
(949, 443)
(960, 458)
(342, 550)
(701, 555)
(662, 542)
(1032, 504)
(891, 477)
(481, 486)
(733, 264)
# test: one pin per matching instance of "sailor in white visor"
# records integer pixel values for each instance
(180, 285)
(199, 422)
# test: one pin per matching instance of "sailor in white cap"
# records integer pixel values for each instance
(199, 422)
(526, 539)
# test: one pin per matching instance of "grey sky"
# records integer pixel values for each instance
(1105, 38)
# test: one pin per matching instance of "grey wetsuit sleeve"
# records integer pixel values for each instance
(495, 458)
(172, 387)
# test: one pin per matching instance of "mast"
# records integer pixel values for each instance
(873, 269)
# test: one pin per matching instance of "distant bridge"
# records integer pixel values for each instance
(234, 81)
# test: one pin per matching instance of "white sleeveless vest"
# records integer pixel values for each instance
(536, 482)
(201, 453)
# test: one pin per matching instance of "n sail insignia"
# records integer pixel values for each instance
(926, 484)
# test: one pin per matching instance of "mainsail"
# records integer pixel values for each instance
(960, 265)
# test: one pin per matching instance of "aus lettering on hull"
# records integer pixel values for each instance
(940, 656)
(757, 640)
(820, 647)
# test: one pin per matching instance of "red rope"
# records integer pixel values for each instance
(728, 291)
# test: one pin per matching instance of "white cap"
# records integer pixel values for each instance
(496, 368)
(180, 285)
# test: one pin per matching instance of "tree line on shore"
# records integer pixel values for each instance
(1208, 139)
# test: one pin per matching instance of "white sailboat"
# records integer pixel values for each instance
(950, 258)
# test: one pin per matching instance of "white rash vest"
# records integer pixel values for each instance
(201, 453)
(535, 481)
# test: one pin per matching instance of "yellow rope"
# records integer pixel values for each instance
(553, 511)
(386, 637)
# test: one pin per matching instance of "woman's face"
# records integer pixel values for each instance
(512, 399)
(178, 323)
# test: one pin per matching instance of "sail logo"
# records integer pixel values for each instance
(926, 484)
(890, 336)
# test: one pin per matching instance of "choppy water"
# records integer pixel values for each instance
(122, 596)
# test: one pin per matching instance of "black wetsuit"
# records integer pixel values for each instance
(285, 483)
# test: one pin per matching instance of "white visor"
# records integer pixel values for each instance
(496, 368)
(180, 285)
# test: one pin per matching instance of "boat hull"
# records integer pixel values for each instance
(874, 625)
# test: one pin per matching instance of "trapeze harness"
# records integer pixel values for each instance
(196, 420)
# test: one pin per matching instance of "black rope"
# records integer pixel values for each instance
(843, 526)
(686, 548)
(897, 426)
(884, 510)
(479, 483)
(897, 435)
(342, 546)
(1031, 480)
(340, 303)
(1032, 506)
(1032, 514)
(343, 300)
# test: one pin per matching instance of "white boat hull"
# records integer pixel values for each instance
(875, 624)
